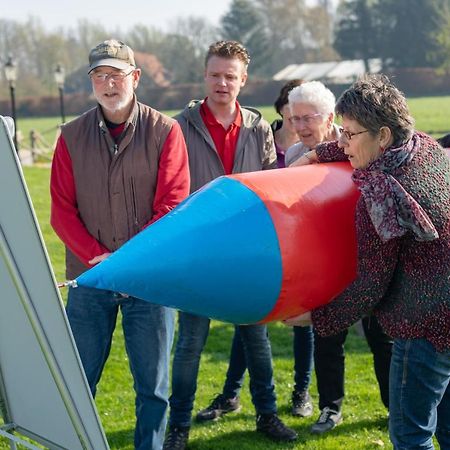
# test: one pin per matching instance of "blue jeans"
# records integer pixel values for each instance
(148, 331)
(303, 357)
(193, 332)
(236, 368)
(419, 395)
(303, 344)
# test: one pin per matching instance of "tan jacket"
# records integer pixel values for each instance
(255, 148)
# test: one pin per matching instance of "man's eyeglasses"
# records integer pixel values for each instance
(307, 119)
(98, 77)
(348, 134)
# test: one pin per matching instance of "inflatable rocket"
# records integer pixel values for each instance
(247, 248)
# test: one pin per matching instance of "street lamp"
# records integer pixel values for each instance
(11, 77)
(60, 75)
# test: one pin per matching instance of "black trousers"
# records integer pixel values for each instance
(329, 361)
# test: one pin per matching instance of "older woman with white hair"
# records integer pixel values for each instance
(312, 114)
(312, 109)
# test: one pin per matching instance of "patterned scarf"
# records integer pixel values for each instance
(393, 211)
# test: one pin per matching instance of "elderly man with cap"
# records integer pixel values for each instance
(118, 168)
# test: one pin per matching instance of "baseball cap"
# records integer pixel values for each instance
(112, 53)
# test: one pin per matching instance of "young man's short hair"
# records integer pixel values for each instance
(228, 49)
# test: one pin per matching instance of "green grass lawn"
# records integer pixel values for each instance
(365, 419)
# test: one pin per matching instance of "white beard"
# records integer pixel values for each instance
(118, 105)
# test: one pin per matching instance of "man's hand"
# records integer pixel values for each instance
(303, 320)
(98, 259)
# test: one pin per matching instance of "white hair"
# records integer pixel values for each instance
(313, 93)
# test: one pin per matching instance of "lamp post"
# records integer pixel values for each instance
(60, 75)
(11, 77)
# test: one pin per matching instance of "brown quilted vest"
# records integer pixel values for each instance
(115, 184)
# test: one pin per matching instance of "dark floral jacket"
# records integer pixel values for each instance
(403, 233)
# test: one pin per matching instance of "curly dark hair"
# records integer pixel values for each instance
(228, 49)
(374, 102)
(283, 96)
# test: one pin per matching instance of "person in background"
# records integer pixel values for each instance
(312, 116)
(284, 133)
(312, 108)
(116, 169)
(445, 141)
(284, 136)
(223, 138)
(403, 234)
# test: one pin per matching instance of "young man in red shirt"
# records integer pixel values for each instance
(223, 138)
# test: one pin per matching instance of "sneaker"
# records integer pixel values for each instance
(327, 420)
(301, 404)
(177, 438)
(272, 426)
(218, 407)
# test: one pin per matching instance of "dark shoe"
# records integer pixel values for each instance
(301, 404)
(272, 426)
(219, 406)
(327, 420)
(176, 439)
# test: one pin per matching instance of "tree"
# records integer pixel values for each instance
(145, 39)
(298, 31)
(198, 35)
(177, 52)
(86, 35)
(443, 39)
(409, 32)
(38, 51)
(245, 24)
(319, 27)
(285, 25)
(198, 31)
(179, 56)
(404, 33)
(356, 35)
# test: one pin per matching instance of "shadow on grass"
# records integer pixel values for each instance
(121, 439)
(250, 439)
(348, 427)
(241, 439)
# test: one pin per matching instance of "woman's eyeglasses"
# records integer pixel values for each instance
(348, 134)
(307, 119)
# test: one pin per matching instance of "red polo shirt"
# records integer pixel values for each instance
(224, 140)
